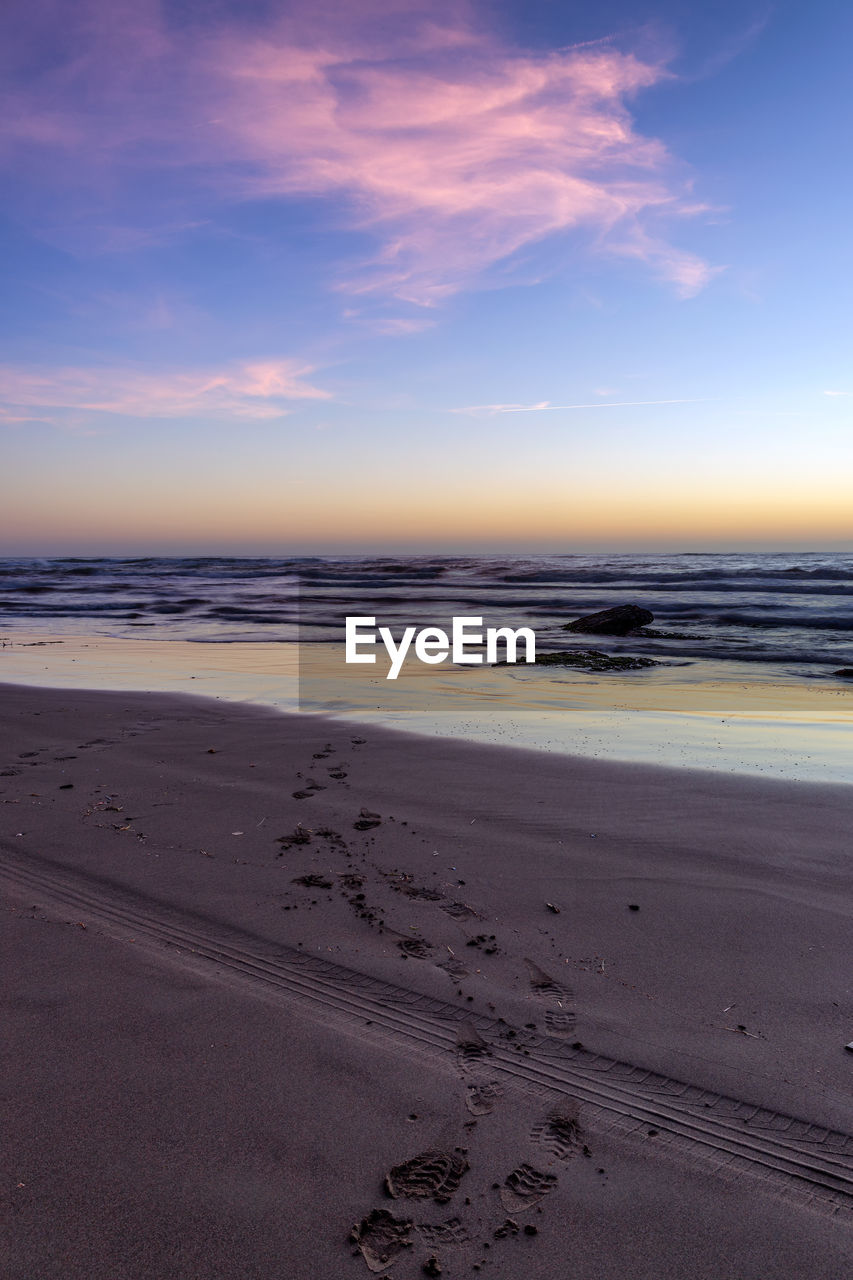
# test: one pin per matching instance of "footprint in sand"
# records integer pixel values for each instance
(418, 948)
(561, 1019)
(334, 838)
(380, 1237)
(471, 1049)
(431, 1175)
(366, 820)
(560, 1132)
(402, 882)
(299, 835)
(480, 1099)
(450, 1232)
(525, 1187)
(460, 911)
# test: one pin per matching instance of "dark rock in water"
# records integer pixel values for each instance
(612, 622)
(846, 673)
(594, 660)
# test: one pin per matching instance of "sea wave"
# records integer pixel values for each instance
(774, 608)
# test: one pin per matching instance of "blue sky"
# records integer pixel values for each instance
(284, 277)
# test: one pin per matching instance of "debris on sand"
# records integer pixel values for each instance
(299, 835)
(312, 881)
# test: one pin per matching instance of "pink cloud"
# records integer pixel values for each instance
(258, 389)
(454, 163)
(452, 149)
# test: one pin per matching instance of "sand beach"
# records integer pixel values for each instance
(287, 997)
(426, 641)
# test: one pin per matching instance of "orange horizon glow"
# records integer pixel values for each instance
(342, 518)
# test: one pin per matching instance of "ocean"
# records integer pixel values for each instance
(790, 612)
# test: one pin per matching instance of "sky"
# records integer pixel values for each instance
(288, 278)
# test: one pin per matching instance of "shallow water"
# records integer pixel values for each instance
(732, 717)
(747, 657)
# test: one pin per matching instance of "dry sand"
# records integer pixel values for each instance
(211, 1065)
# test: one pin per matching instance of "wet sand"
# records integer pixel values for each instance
(256, 962)
(731, 717)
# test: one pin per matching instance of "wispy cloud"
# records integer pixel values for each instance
(736, 44)
(451, 149)
(688, 273)
(838, 393)
(391, 325)
(492, 410)
(257, 389)
(455, 161)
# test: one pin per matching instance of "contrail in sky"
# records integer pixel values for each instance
(545, 404)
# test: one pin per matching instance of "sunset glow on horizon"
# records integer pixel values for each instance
(424, 276)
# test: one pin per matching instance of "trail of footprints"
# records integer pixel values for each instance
(614, 1096)
(41, 756)
(731, 1137)
(353, 884)
(435, 1174)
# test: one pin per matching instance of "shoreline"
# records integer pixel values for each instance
(728, 719)
(190, 897)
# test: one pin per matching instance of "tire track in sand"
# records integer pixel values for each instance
(791, 1156)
